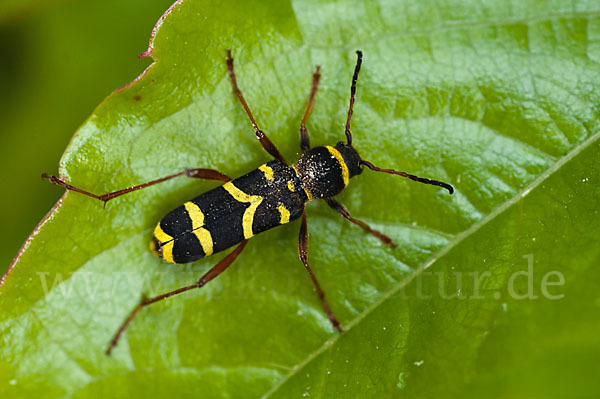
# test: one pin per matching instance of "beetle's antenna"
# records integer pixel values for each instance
(411, 177)
(352, 93)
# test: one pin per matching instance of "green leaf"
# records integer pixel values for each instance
(509, 308)
(500, 100)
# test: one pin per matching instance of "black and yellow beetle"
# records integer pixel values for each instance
(271, 195)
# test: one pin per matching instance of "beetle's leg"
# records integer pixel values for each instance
(208, 174)
(304, 139)
(208, 276)
(303, 251)
(342, 210)
(264, 140)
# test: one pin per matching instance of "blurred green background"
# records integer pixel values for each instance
(58, 60)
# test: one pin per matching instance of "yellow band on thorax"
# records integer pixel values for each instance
(345, 173)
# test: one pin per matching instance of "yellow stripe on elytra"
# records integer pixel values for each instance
(267, 170)
(153, 248)
(205, 239)
(195, 214)
(291, 186)
(308, 194)
(203, 235)
(340, 159)
(285, 214)
(253, 200)
(166, 243)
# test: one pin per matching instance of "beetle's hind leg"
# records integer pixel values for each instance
(208, 276)
(304, 139)
(262, 137)
(303, 251)
(342, 210)
(201, 173)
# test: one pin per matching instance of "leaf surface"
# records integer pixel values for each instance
(499, 100)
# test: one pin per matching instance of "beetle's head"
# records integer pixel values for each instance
(352, 158)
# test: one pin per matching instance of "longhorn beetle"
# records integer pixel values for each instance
(271, 195)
